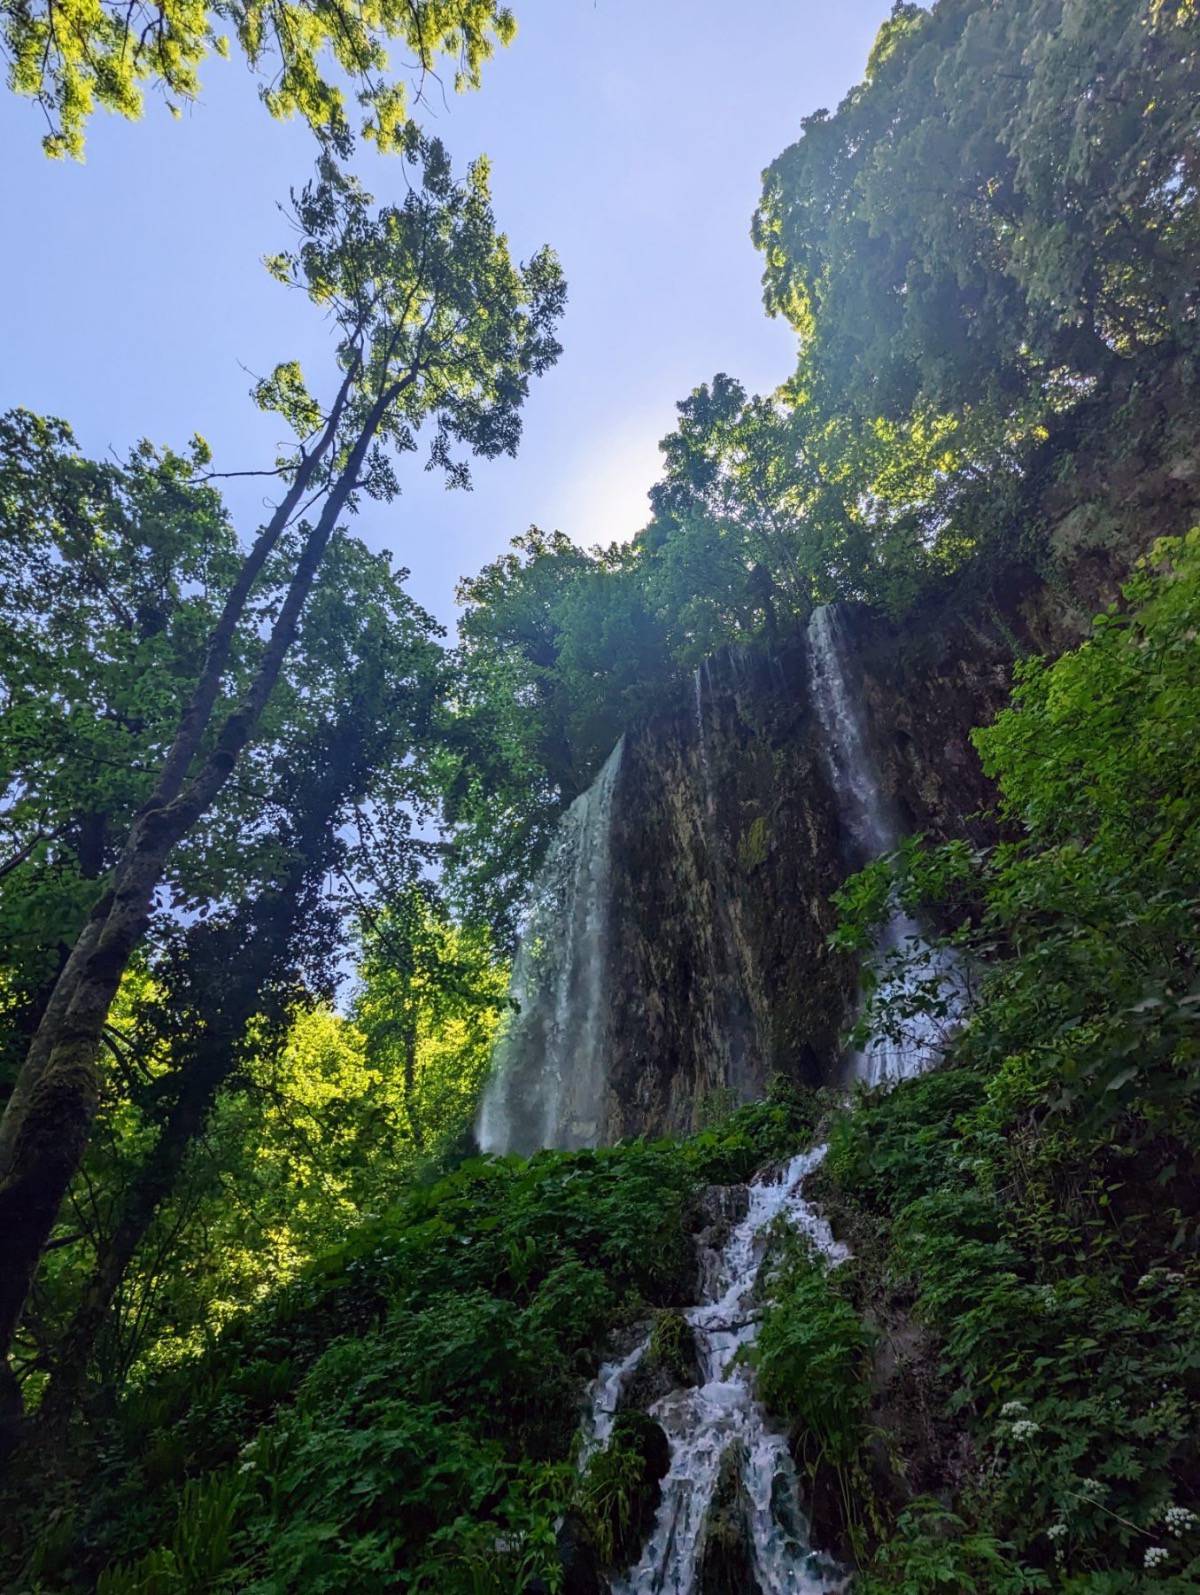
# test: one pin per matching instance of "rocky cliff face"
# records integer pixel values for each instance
(725, 841)
(727, 846)
(725, 850)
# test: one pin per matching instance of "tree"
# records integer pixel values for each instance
(735, 540)
(437, 330)
(107, 577)
(432, 992)
(358, 713)
(1007, 202)
(767, 506)
(71, 57)
(559, 653)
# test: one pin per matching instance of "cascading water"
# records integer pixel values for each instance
(549, 1065)
(873, 829)
(703, 1424)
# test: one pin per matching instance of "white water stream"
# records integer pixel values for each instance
(703, 1422)
(550, 1065)
(874, 829)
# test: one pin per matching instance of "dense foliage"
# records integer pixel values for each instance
(404, 1413)
(1008, 199)
(1031, 1205)
(438, 332)
(989, 252)
(264, 841)
(70, 58)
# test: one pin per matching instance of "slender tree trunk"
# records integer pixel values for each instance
(48, 1119)
(410, 1089)
(152, 1185)
(188, 736)
(211, 1055)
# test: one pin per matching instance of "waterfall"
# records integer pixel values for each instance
(873, 828)
(703, 1423)
(707, 795)
(550, 1063)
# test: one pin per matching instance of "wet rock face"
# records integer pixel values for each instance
(725, 851)
(727, 1560)
(727, 845)
(727, 841)
(671, 1362)
(718, 1210)
(580, 1564)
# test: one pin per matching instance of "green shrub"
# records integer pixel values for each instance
(403, 1414)
(812, 1363)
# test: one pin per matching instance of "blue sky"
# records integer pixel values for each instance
(629, 134)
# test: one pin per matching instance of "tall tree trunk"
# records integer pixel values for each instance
(48, 1120)
(416, 1128)
(152, 1185)
(212, 1050)
(189, 734)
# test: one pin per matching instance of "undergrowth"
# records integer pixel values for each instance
(404, 1416)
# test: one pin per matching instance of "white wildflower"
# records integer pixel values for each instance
(1091, 1486)
(1056, 1531)
(1013, 1409)
(1025, 1429)
(1179, 1520)
(1156, 1556)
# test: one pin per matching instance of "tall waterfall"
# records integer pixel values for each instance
(550, 1063)
(873, 828)
(719, 1420)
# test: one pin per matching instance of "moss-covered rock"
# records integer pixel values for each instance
(622, 1488)
(727, 1558)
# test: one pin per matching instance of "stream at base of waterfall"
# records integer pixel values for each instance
(703, 1423)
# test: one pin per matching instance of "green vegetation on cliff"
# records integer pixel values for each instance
(1024, 1219)
(404, 1414)
(269, 1323)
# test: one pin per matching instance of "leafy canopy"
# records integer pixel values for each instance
(72, 56)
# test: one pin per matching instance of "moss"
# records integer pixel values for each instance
(672, 1346)
(753, 846)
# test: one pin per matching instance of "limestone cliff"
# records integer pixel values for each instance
(725, 850)
(695, 898)
(727, 846)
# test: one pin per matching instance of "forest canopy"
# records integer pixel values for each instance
(73, 58)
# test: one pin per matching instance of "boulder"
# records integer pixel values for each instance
(727, 1557)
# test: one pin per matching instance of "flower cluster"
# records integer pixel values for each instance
(1025, 1429)
(1166, 1276)
(1156, 1556)
(1178, 1520)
